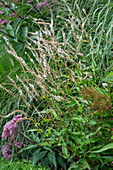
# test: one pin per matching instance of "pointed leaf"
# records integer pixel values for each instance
(28, 147)
(106, 147)
(52, 158)
(38, 156)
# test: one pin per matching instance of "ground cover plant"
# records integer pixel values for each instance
(65, 91)
(23, 165)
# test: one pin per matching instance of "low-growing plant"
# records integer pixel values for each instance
(20, 165)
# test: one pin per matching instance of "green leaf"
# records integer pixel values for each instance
(80, 109)
(49, 131)
(16, 22)
(32, 130)
(86, 165)
(34, 1)
(44, 143)
(112, 137)
(23, 9)
(75, 133)
(2, 69)
(9, 27)
(64, 149)
(18, 27)
(45, 162)
(92, 122)
(71, 104)
(25, 32)
(20, 45)
(40, 155)
(61, 161)
(74, 166)
(24, 1)
(52, 158)
(108, 146)
(28, 147)
(47, 148)
(54, 114)
(109, 78)
(36, 152)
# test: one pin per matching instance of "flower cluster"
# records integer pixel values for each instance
(6, 150)
(9, 128)
(9, 133)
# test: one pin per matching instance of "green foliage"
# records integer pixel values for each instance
(66, 89)
(20, 165)
(17, 17)
(106, 147)
(6, 62)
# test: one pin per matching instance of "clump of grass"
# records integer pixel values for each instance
(50, 90)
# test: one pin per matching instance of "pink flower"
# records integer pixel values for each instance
(15, 141)
(11, 132)
(6, 21)
(7, 152)
(1, 12)
(2, 21)
(13, 14)
(24, 145)
(17, 144)
(109, 107)
(27, 122)
(18, 116)
(2, 26)
(9, 127)
(45, 3)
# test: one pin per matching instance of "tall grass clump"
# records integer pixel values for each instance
(67, 101)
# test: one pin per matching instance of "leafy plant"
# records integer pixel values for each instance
(16, 17)
(19, 165)
(63, 91)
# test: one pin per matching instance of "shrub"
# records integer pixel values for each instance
(15, 19)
